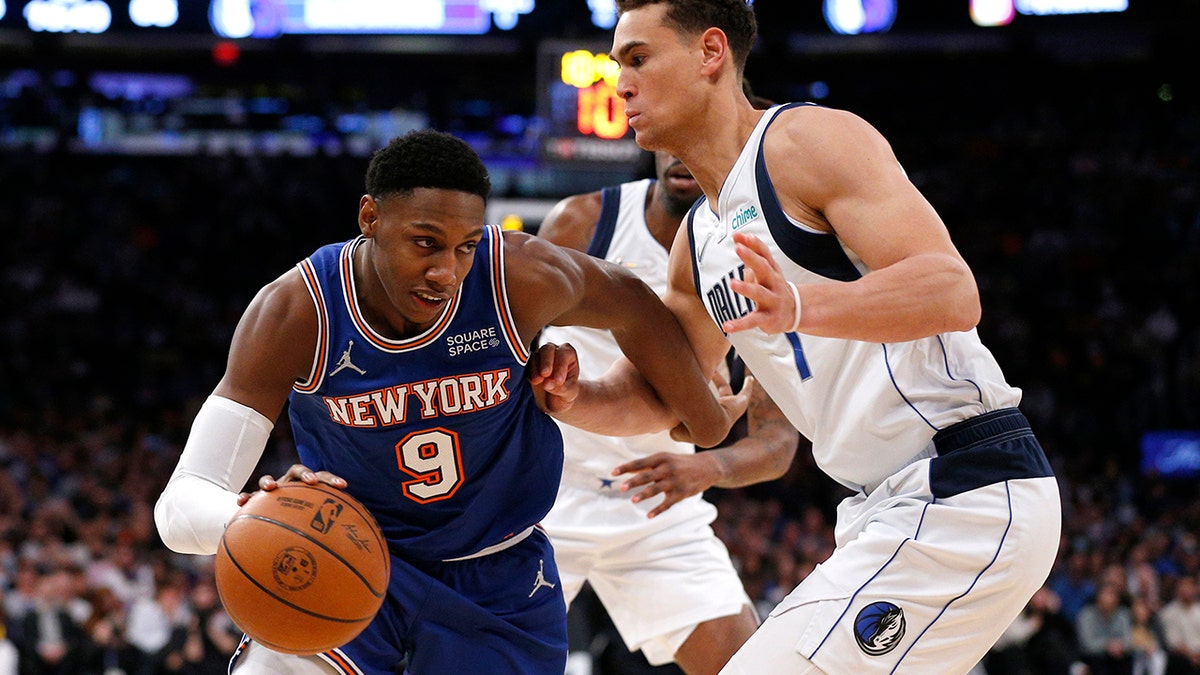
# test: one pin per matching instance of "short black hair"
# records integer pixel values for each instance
(426, 159)
(691, 17)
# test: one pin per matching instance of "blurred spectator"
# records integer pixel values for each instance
(1040, 641)
(1146, 639)
(105, 629)
(1073, 584)
(119, 569)
(1104, 628)
(157, 629)
(1181, 624)
(52, 642)
(216, 631)
(1142, 578)
(1052, 648)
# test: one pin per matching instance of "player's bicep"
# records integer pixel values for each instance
(605, 295)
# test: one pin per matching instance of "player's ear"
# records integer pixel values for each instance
(368, 215)
(714, 47)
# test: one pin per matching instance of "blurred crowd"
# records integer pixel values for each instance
(122, 277)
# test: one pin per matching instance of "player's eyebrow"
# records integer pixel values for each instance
(616, 55)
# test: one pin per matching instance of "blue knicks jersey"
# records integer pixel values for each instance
(438, 435)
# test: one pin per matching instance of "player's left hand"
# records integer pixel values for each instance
(671, 474)
(775, 307)
(296, 473)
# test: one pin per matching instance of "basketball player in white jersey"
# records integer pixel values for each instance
(662, 574)
(838, 284)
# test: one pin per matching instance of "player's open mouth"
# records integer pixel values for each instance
(429, 299)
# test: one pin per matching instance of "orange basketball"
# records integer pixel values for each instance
(302, 568)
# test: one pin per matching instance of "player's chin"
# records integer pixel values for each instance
(645, 138)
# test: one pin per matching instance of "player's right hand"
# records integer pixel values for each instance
(296, 473)
(554, 374)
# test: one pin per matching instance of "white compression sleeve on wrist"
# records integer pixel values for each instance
(796, 298)
(224, 446)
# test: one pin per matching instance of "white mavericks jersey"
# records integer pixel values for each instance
(622, 237)
(868, 408)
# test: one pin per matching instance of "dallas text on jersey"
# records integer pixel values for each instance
(724, 303)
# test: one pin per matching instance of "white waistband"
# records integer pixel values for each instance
(495, 548)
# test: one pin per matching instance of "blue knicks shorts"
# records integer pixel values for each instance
(499, 613)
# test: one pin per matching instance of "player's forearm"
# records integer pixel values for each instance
(225, 444)
(752, 460)
(621, 403)
(912, 299)
(765, 452)
(664, 357)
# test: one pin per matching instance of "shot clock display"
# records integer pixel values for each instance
(577, 90)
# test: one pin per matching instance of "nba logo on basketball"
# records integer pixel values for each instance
(325, 516)
(294, 569)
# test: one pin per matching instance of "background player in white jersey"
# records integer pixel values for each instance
(655, 563)
(838, 284)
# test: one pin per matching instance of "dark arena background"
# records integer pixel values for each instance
(161, 160)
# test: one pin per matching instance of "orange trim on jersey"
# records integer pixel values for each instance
(317, 375)
(500, 292)
(340, 662)
(346, 265)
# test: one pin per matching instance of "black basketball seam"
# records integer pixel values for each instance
(266, 590)
(331, 552)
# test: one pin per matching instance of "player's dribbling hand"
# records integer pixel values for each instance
(554, 375)
(775, 306)
(296, 473)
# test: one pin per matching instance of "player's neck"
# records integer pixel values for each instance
(712, 151)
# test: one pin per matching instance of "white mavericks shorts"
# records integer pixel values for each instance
(657, 577)
(917, 584)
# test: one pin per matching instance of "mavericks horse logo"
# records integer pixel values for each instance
(878, 628)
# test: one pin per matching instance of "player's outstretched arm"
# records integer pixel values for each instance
(659, 383)
(272, 347)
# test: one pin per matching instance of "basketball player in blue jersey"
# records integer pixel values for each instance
(838, 284)
(401, 355)
(630, 518)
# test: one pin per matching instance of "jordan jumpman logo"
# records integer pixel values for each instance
(540, 580)
(344, 362)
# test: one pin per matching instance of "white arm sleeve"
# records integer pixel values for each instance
(224, 446)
